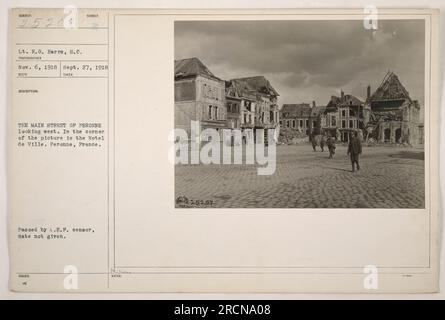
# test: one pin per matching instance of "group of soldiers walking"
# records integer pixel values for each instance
(354, 146)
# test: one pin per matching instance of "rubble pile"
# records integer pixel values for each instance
(292, 136)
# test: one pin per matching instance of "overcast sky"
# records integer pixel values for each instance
(308, 60)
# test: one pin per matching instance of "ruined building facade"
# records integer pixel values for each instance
(242, 103)
(258, 102)
(341, 116)
(199, 96)
(344, 115)
(391, 115)
(388, 115)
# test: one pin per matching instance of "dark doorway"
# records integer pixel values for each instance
(387, 133)
(398, 135)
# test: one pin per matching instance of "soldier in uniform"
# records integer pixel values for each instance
(322, 142)
(331, 146)
(354, 150)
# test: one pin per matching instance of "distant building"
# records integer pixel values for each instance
(344, 114)
(296, 116)
(331, 116)
(199, 96)
(391, 115)
(318, 118)
(303, 117)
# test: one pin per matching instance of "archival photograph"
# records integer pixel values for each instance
(299, 114)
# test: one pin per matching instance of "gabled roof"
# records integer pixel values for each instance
(192, 67)
(391, 88)
(258, 84)
(296, 110)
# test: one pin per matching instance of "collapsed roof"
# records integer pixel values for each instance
(257, 84)
(390, 89)
(236, 89)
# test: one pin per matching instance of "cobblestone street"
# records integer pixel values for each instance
(389, 177)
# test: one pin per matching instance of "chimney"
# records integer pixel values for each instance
(313, 104)
(342, 95)
(368, 92)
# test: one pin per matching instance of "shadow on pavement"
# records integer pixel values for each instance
(338, 169)
(409, 155)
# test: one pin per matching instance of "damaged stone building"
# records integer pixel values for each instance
(301, 120)
(391, 115)
(298, 117)
(318, 118)
(251, 104)
(344, 115)
(265, 108)
(242, 103)
(199, 96)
